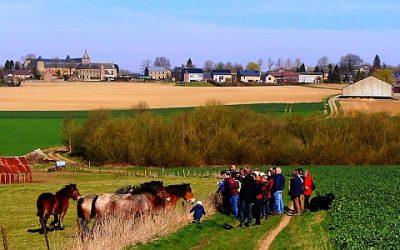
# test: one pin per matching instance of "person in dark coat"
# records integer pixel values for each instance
(198, 212)
(279, 185)
(296, 190)
(247, 198)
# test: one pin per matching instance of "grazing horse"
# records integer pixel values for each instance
(49, 204)
(179, 191)
(126, 201)
(132, 201)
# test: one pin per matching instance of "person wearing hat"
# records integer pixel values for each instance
(198, 212)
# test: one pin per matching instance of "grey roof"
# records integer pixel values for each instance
(221, 72)
(190, 70)
(89, 66)
(156, 68)
(248, 73)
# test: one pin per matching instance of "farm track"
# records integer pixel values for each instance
(332, 104)
(265, 243)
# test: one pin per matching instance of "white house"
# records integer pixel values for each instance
(192, 75)
(310, 77)
(221, 76)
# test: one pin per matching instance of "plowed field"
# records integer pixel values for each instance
(110, 95)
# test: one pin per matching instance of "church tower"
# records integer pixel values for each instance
(85, 58)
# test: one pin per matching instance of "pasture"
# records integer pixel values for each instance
(361, 217)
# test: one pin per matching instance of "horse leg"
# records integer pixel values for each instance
(42, 225)
(60, 220)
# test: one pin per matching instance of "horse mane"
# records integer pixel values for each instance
(148, 187)
(65, 189)
(178, 189)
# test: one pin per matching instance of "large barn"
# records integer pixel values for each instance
(14, 170)
(370, 87)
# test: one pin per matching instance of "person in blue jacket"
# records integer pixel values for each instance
(199, 211)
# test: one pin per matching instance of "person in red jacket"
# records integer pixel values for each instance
(234, 188)
(307, 189)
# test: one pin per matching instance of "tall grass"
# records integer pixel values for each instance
(117, 233)
(218, 135)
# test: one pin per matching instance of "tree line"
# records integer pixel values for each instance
(218, 135)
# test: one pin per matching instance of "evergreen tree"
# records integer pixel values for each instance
(7, 65)
(302, 68)
(11, 64)
(189, 63)
(330, 74)
(17, 65)
(316, 69)
(358, 76)
(336, 74)
(377, 62)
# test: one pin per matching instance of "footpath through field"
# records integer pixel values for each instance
(270, 236)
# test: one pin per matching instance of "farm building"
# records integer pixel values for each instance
(369, 87)
(14, 170)
(396, 91)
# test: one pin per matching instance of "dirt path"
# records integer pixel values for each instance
(55, 154)
(270, 236)
(332, 104)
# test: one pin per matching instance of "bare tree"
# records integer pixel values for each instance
(288, 63)
(220, 66)
(162, 61)
(350, 61)
(279, 63)
(208, 65)
(145, 63)
(270, 64)
(297, 62)
(229, 66)
(260, 63)
(238, 66)
(323, 62)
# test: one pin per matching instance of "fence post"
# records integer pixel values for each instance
(3, 233)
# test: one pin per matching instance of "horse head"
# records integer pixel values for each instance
(188, 195)
(73, 191)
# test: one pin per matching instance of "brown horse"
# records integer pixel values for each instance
(132, 201)
(49, 204)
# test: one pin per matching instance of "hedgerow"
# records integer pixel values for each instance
(216, 134)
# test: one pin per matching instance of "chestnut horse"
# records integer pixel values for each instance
(49, 204)
(132, 201)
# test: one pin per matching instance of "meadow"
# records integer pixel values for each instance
(24, 131)
(361, 217)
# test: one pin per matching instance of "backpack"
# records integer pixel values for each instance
(313, 187)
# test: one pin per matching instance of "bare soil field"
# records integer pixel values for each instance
(36, 96)
(370, 106)
(338, 86)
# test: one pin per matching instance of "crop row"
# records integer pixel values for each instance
(365, 213)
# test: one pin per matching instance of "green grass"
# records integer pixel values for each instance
(24, 131)
(213, 234)
(18, 202)
(309, 231)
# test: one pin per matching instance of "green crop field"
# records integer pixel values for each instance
(24, 131)
(364, 214)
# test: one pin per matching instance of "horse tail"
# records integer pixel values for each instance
(79, 208)
(93, 209)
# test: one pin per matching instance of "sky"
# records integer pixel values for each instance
(128, 32)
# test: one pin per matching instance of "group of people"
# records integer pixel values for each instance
(253, 193)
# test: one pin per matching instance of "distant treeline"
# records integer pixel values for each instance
(217, 135)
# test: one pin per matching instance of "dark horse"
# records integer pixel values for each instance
(131, 201)
(49, 204)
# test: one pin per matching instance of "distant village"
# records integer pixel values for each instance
(350, 69)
